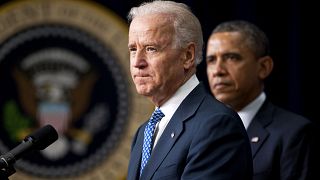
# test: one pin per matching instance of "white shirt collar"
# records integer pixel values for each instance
(248, 112)
(170, 107)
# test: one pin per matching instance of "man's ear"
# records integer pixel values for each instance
(189, 56)
(266, 66)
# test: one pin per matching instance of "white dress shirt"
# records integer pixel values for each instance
(248, 112)
(170, 107)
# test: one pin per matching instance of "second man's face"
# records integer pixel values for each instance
(155, 64)
(232, 69)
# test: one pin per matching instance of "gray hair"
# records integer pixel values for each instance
(186, 24)
(255, 38)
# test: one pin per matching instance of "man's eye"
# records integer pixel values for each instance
(131, 49)
(152, 49)
(210, 59)
(233, 57)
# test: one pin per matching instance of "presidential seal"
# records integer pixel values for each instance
(66, 63)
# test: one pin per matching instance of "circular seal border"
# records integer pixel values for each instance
(109, 29)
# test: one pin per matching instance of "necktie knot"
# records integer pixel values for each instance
(156, 116)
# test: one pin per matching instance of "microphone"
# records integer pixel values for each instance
(38, 140)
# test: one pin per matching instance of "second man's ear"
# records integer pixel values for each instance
(266, 66)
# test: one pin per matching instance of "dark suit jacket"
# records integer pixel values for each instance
(203, 140)
(280, 144)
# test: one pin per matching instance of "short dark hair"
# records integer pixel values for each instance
(255, 38)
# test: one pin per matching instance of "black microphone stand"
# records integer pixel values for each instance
(6, 172)
(38, 140)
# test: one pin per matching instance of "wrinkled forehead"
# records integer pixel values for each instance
(226, 39)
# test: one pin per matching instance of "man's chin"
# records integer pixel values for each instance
(143, 91)
(222, 97)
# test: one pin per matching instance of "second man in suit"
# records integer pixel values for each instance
(238, 62)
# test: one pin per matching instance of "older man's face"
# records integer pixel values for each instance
(156, 65)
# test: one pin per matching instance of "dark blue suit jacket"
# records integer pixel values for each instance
(280, 142)
(203, 140)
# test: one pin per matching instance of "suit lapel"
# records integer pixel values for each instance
(134, 170)
(257, 135)
(257, 131)
(173, 130)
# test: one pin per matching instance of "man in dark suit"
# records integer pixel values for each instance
(197, 137)
(238, 62)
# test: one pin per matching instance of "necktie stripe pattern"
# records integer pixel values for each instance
(156, 116)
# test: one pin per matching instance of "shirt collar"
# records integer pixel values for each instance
(248, 112)
(169, 107)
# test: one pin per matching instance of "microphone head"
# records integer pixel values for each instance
(43, 137)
